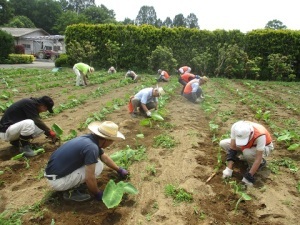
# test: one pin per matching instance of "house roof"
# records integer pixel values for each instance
(19, 32)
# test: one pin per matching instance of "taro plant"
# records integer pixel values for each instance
(155, 116)
(237, 188)
(284, 162)
(288, 136)
(114, 192)
(127, 156)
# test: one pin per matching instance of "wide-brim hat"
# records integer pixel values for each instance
(107, 130)
(242, 130)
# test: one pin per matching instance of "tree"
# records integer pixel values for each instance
(192, 21)
(96, 14)
(168, 22)
(128, 21)
(24, 8)
(147, 15)
(6, 11)
(162, 58)
(275, 25)
(7, 45)
(81, 52)
(79, 5)
(20, 22)
(68, 18)
(158, 23)
(179, 21)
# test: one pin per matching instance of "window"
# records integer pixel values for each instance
(27, 46)
(48, 47)
(56, 48)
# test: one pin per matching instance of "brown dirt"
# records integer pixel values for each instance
(275, 199)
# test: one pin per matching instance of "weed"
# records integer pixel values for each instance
(178, 194)
(285, 162)
(164, 141)
(238, 190)
(151, 169)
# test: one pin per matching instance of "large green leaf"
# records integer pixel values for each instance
(294, 147)
(112, 194)
(156, 116)
(57, 129)
(128, 188)
(128, 153)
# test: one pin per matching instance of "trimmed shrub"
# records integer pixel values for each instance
(20, 58)
(62, 61)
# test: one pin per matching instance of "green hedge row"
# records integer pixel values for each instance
(137, 43)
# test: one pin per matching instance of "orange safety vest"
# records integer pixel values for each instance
(188, 88)
(259, 130)
(187, 76)
(166, 75)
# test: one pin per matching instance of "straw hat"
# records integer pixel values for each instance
(108, 130)
(204, 78)
(91, 69)
(160, 90)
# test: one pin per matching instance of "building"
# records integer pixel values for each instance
(35, 40)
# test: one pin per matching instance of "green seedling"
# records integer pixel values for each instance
(238, 190)
(19, 156)
(113, 192)
(178, 194)
(151, 169)
(155, 116)
(127, 156)
(164, 141)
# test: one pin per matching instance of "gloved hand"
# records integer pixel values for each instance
(99, 195)
(53, 136)
(148, 113)
(227, 172)
(122, 172)
(248, 179)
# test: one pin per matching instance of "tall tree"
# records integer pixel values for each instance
(128, 21)
(158, 23)
(179, 21)
(168, 22)
(20, 22)
(275, 25)
(96, 14)
(68, 18)
(6, 11)
(79, 5)
(24, 7)
(147, 15)
(192, 21)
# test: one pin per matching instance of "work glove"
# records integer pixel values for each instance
(227, 172)
(231, 155)
(148, 113)
(53, 136)
(122, 172)
(248, 179)
(99, 195)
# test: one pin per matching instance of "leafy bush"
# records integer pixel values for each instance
(162, 58)
(7, 45)
(62, 60)
(19, 49)
(20, 58)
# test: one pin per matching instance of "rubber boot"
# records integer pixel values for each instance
(25, 146)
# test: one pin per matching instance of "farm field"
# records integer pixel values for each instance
(181, 152)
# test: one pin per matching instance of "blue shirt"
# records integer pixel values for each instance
(78, 152)
(145, 96)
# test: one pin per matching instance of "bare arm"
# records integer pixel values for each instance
(144, 107)
(90, 179)
(109, 162)
(257, 161)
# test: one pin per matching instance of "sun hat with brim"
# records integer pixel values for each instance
(108, 130)
(242, 132)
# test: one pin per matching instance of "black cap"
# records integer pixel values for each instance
(48, 102)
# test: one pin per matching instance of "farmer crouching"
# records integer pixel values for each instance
(76, 162)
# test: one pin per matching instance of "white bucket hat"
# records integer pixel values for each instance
(108, 130)
(242, 130)
(160, 90)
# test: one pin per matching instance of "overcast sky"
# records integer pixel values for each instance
(215, 14)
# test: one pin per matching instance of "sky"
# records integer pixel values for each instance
(243, 15)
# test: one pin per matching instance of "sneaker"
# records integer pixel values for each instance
(76, 195)
(263, 164)
(28, 152)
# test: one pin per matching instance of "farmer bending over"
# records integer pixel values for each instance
(81, 70)
(76, 162)
(21, 122)
(193, 91)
